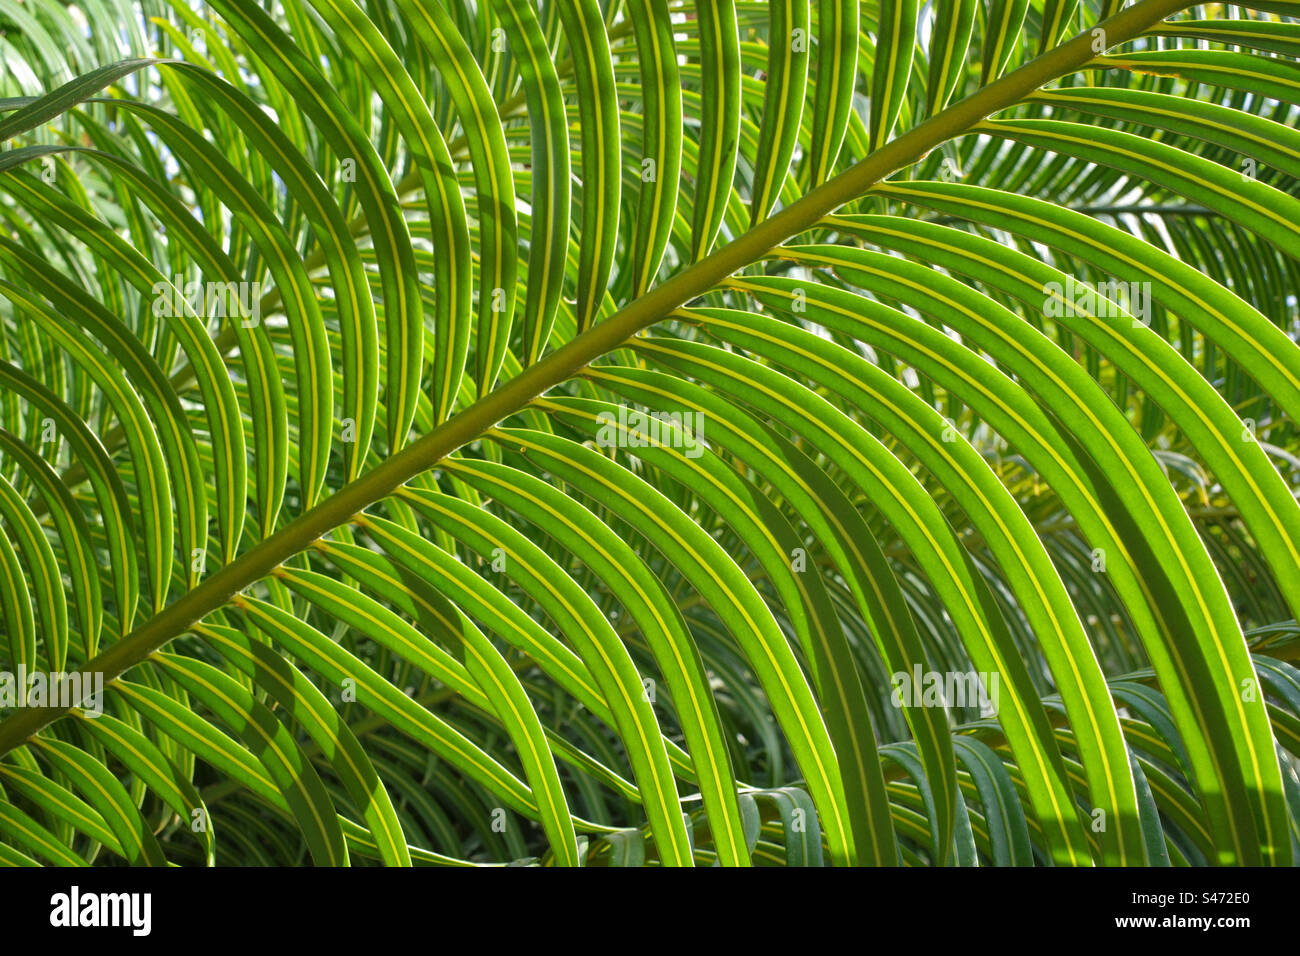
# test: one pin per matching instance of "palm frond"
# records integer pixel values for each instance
(650, 433)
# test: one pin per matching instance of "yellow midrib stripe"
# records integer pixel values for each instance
(537, 650)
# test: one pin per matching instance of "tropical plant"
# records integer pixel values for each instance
(649, 432)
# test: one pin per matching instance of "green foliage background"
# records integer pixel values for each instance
(310, 315)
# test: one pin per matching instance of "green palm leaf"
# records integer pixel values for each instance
(776, 414)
